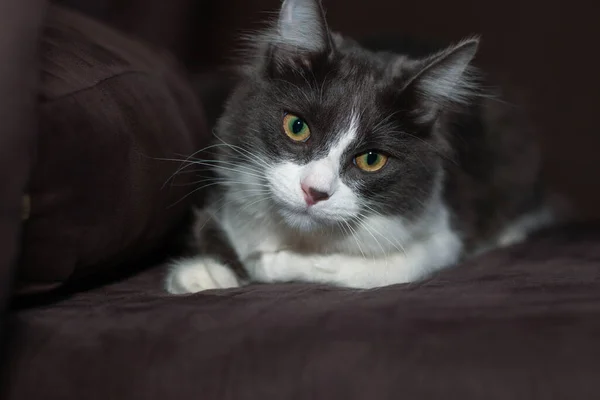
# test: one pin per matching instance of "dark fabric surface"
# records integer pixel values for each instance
(519, 323)
(182, 26)
(111, 111)
(20, 25)
(185, 27)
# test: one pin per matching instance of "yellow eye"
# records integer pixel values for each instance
(296, 128)
(370, 161)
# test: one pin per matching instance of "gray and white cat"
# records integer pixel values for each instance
(340, 165)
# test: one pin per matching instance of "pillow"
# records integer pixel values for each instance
(99, 195)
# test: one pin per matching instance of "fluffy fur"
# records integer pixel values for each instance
(462, 174)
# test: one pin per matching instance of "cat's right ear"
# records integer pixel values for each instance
(301, 32)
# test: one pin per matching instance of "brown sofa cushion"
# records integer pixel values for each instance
(111, 111)
(20, 24)
(517, 323)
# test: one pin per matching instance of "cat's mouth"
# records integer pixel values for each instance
(306, 219)
(303, 220)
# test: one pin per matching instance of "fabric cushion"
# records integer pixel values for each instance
(518, 323)
(112, 110)
(20, 26)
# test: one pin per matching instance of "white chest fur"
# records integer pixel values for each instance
(378, 251)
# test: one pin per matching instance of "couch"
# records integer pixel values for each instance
(94, 122)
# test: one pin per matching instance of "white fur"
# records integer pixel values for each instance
(380, 251)
(379, 266)
(519, 229)
(198, 274)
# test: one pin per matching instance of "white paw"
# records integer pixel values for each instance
(198, 274)
(262, 267)
(284, 266)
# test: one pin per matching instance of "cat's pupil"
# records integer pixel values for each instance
(372, 158)
(297, 125)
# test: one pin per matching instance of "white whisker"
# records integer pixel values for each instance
(241, 151)
(355, 238)
(362, 223)
(395, 245)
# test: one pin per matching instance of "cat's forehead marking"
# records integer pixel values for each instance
(345, 139)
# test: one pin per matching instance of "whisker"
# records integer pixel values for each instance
(235, 164)
(253, 203)
(225, 181)
(241, 150)
(395, 245)
(187, 158)
(355, 238)
(362, 223)
(343, 228)
(192, 192)
(235, 185)
(220, 167)
(211, 215)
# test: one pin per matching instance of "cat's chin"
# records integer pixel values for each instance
(304, 221)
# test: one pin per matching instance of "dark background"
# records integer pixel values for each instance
(546, 48)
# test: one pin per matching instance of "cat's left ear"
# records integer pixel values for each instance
(445, 79)
(301, 32)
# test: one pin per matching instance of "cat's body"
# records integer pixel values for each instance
(344, 166)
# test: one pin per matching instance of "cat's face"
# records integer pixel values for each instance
(327, 133)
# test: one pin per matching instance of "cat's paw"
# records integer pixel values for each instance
(198, 274)
(262, 266)
(286, 266)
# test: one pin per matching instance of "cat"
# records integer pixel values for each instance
(345, 166)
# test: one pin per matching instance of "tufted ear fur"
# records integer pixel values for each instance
(299, 35)
(444, 79)
(302, 26)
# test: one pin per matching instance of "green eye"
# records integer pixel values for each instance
(370, 161)
(296, 128)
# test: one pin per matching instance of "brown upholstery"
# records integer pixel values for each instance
(111, 111)
(521, 323)
(20, 22)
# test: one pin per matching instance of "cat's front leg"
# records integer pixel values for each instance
(336, 269)
(286, 266)
(198, 274)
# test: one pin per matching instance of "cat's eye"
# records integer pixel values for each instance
(370, 161)
(296, 128)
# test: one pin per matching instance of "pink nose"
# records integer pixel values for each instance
(313, 196)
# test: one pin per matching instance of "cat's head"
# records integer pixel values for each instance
(325, 132)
